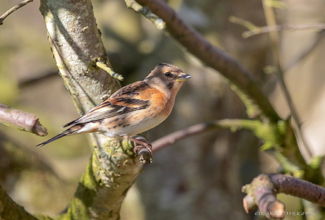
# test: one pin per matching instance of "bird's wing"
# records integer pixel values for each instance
(133, 97)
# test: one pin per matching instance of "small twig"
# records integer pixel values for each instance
(275, 39)
(255, 30)
(145, 11)
(262, 192)
(275, 28)
(287, 166)
(106, 68)
(249, 25)
(22, 120)
(13, 9)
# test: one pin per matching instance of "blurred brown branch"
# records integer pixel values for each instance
(11, 210)
(181, 134)
(213, 57)
(37, 79)
(233, 124)
(262, 192)
(22, 120)
(13, 9)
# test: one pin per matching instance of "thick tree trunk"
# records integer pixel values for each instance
(76, 46)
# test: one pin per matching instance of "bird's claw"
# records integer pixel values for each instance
(145, 156)
(144, 149)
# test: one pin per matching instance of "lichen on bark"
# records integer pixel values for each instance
(75, 42)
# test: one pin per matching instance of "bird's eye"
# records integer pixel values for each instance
(168, 74)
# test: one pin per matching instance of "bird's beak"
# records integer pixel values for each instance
(182, 77)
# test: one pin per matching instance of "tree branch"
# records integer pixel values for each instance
(113, 167)
(299, 188)
(10, 210)
(212, 56)
(22, 120)
(232, 124)
(38, 79)
(275, 28)
(262, 192)
(104, 66)
(13, 9)
(272, 135)
(145, 11)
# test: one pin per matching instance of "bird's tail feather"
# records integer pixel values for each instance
(69, 131)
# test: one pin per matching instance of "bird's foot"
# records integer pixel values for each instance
(143, 148)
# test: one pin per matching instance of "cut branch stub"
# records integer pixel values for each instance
(263, 189)
(22, 120)
(261, 192)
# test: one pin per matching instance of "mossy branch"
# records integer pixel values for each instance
(75, 42)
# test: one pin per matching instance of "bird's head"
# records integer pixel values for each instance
(166, 77)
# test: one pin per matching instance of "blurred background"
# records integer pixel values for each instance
(197, 178)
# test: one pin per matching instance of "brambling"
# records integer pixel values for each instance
(132, 109)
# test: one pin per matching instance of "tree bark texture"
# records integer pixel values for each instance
(76, 45)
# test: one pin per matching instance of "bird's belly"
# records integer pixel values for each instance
(127, 127)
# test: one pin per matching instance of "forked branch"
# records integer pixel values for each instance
(262, 192)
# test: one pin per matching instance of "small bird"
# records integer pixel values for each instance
(133, 109)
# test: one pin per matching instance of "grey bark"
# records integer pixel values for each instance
(76, 45)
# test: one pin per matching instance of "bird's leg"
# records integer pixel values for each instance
(143, 148)
(141, 142)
